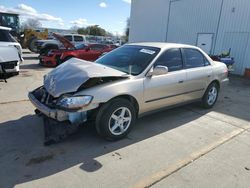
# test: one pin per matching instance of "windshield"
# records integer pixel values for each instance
(80, 46)
(131, 59)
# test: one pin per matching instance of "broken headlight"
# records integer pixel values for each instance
(75, 102)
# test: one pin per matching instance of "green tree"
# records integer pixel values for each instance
(94, 30)
(82, 31)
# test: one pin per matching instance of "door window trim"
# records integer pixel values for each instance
(204, 59)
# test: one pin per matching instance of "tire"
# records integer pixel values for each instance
(116, 128)
(210, 96)
(32, 44)
(44, 51)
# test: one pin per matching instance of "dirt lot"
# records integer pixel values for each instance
(182, 147)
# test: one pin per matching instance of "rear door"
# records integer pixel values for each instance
(199, 72)
(168, 89)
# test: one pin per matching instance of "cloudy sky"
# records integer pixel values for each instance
(109, 14)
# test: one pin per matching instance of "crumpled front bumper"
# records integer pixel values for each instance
(57, 114)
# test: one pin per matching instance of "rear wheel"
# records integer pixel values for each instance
(211, 95)
(115, 119)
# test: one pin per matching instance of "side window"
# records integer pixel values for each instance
(68, 37)
(171, 59)
(78, 38)
(193, 58)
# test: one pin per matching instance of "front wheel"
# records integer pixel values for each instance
(115, 119)
(211, 95)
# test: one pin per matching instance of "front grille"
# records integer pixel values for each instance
(9, 65)
(44, 97)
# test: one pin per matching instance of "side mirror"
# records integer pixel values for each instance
(87, 49)
(158, 70)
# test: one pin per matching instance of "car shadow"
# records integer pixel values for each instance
(30, 58)
(23, 157)
(32, 67)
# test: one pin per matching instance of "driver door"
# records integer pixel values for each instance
(167, 89)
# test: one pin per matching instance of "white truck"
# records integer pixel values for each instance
(44, 46)
(10, 52)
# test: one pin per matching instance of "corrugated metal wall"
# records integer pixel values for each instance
(230, 18)
(234, 30)
(182, 20)
(148, 20)
(187, 18)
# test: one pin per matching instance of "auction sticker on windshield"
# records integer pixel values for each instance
(151, 52)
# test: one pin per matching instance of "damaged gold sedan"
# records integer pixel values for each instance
(124, 84)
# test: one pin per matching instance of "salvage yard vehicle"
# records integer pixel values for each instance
(44, 46)
(9, 60)
(89, 52)
(6, 39)
(127, 83)
(226, 58)
(10, 52)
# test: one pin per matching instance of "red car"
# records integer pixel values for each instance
(89, 52)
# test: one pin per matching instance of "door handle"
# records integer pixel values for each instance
(209, 76)
(180, 81)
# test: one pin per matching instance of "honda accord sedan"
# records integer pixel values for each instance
(125, 84)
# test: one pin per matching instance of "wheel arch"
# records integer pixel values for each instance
(216, 82)
(51, 45)
(130, 98)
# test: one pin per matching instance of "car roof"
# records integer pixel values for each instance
(5, 28)
(162, 45)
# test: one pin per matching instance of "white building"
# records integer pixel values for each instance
(213, 25)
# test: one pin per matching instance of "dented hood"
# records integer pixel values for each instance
(69, 76)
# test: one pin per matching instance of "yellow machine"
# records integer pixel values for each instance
(30, 37)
